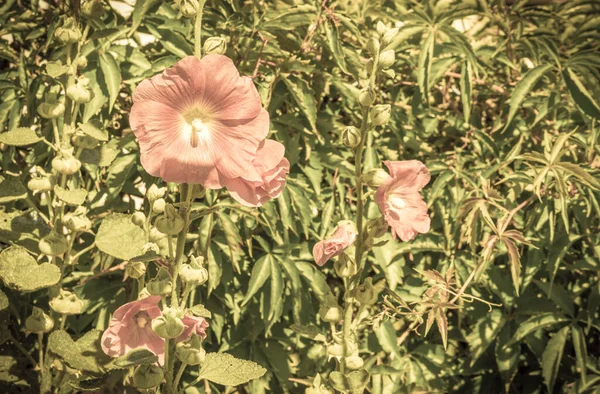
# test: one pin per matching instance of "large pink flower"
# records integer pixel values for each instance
(272, 167)
(199, 122)
(343, 236)
(130, 328)
(399, 200)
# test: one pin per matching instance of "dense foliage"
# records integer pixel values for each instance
(499, 99)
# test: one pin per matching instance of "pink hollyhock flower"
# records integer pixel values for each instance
(399, 200)
(199, 122)
(131, 328)
(343, 236)
(193, 325)
(272, 167)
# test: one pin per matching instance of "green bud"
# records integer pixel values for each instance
(81, 62)
(170, 222)
(169, 325)
(345, 266)
(66, 164)
(135, 269)
(365, 293)
(53, 244)
(92, 9)
(66, 303)
(194, 273)
(331, 312)
(148, 376)
(161, 284)
(155, 236)
(387, 58)
(43, 184)
(39, 322)
(381, 28)
(77, 222)
(351, 137)
(159, 205)
(380, 114)
(215, 45)
(52, 107)
(80, 92)
(188, 8)
(335, 350)
(367, 97)
(375, 177)
(69, 32)
(389, 36)
(369, 66)
(373, 46)
(191, 352)
(154, 193)
(138, 218)
(354, 362)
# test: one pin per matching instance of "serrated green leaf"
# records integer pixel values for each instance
(335, 45)
(83, 355)
(424, 65)
(119, 237)
(465, 90)
(94, 129)
(537, 322)
(582, 175)
(304, 97)
(71, 197)
(19, 271)
(135, 357)
(223, 368)
(11, 189)
(310, 331)
(21, 136)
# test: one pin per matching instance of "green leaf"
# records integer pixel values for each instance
(223, 368)
(582, 175)
(562, 298)
(276, 279)
(580, 95)
(335, 46)
(94, 129)
(354, 382)
(484, 333)
(465, 90)
(310, 331)
(83, 355)
(552, 356)
(56, 69)
(289, 18)
(515, 262)
(11, 189)
(71, 197)
(119, 237)
(260, 273)
(21, 136)
(140, 9)
(507, 357)
(112, 77)
(304, 96)
(19, 271)
(581, 355)
(3, 301)
(537, 322)
(387, 338)
(135, 357)
(523, 88)
(102, 157)
(424, 65)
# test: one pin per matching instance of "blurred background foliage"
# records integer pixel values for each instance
(500, 100)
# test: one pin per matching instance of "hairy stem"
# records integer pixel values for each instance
(198, 31)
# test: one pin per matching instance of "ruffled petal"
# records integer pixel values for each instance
(408, 173)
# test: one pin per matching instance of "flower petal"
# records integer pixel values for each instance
(408, 173)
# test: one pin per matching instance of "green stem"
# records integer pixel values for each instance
(23, 350)
(168, 368)
(56, 135)
(184, 211)
(198, 31)
(178, 376)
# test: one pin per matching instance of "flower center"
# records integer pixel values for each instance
(141, 319)
(396, 202)
(197, 120)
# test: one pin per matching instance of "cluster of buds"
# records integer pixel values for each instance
(52, 107)
(194, 272)
(80, 91)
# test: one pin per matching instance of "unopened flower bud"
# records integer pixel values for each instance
(381, 28)
(161, 284)
(81, 62)
(194, 272)
(345, 266)
(375, 177)
(216, 45)
(39, 322)
(77, 222)
(387, 58)
(138, 218)
(369, 66)
(155, 236)
(92, 9)
(354, 362)
(335, 350)
(365, 293)
(80, 91)
(380, 114)
(44, 184)
(66, 164)
(135, 269)
(367, 97)
(170, 222)
(373, 46)
(154, 193)
(69, 32)
(52, 107)
(53, 244)
(169, 325)
(351, 137)
(188, 8)
(191, 352)
(66, 303)
(148, 376)
(330, 311)
(159, 205)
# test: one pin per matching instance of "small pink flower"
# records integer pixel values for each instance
(272, 167)
(399, 200)
(193, 325)
(199, 122)
(343, 236)
(131, 328)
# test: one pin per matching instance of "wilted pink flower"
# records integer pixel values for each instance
(399, 200)
(272, 167)
(199, 122)
(343, 236)
(193, 325)
(131, 328)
